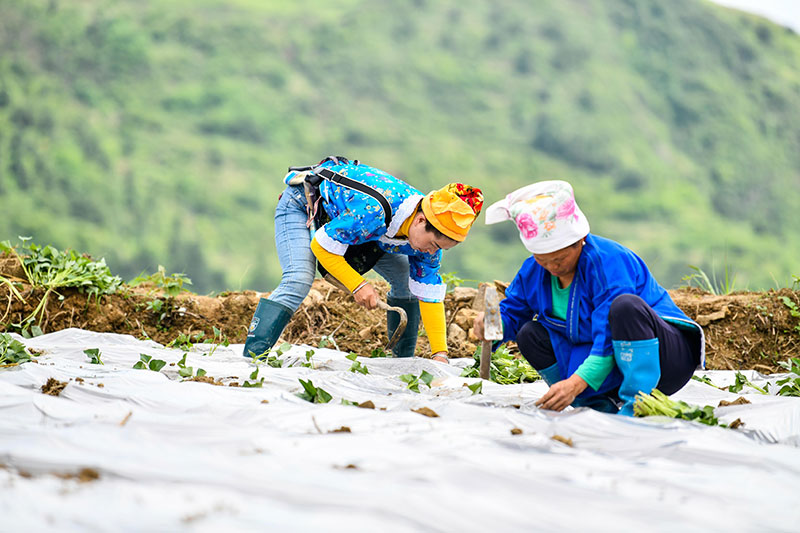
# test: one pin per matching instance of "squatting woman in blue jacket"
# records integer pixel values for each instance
(586, 312)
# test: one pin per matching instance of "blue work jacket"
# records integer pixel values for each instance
(605, 270)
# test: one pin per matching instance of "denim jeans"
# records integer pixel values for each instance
(298, 264)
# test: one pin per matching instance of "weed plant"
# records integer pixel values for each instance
(713, 285)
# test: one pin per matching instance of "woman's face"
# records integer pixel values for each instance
(425, 241)
(562, 262)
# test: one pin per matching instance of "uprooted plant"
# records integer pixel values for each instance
(49, 269)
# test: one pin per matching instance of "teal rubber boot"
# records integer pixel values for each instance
(407, 344)
(267, 325)
(551, 375)
(641, 369)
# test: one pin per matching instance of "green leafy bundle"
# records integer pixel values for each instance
(504, 369)
(50, 269)
(659, 404)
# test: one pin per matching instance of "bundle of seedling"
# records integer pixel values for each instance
(49, 269)
(505, 368)
(659, 404)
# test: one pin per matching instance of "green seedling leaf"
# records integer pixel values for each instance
(283, 348)
(740, 383)
(12, 351)
(411, 380)
(476, 388)
(200, 372)
(308, 363)
(147, 362)
(94, 356)
(254, 374)
(379, 352)
(357, 366)
(790, 386)
(186, 372)
(426, 378)
(348, 402)
(313, 394)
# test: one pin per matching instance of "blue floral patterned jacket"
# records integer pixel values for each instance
(357, 218)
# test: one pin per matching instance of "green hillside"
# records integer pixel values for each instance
(158, 132)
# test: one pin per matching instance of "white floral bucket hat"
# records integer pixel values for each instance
(546, 215)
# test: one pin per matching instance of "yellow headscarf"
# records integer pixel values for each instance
(453, 208)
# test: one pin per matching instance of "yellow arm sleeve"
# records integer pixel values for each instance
(432, 314)
(337, 266)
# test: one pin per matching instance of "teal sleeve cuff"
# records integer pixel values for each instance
(595, 369)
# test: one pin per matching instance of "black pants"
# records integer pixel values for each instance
(630, 319)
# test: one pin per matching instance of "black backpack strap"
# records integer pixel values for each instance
(337, 160)
(344, 181)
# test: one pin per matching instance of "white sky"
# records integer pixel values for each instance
(785, 12)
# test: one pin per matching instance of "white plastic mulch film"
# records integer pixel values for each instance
(124, 449)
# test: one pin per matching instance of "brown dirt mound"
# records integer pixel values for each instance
(743, 330)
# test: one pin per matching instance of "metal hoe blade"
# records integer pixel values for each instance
(401, 327)
(492, 328)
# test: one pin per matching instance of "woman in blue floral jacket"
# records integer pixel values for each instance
(366, 206)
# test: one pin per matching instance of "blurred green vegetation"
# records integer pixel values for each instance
(157, 133)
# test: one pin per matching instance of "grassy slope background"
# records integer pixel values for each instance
(158, 132)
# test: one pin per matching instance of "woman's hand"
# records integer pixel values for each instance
(366, 296)
(563, 393)
(477, 326)
(441, 357)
